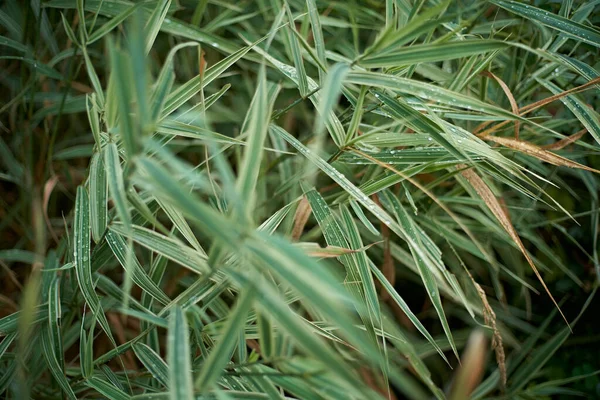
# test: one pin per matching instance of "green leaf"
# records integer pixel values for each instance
(123, 75)
(332, 87)
(36, 66)
(106, 389)
(334, 126)
(356, 266)
(8, 324)
(392, 38)
(52, 340)
(86, 349)
(6, 342)
(98, 197)
(154, 24)
(221, 352)
(426, 270)
(296, 53)
(152, 361)
(164, 82)
(138, 64)
(281, 315)
(113, 23)
(178, 357)
(81, 258)
(182, 226)
(69, 30)
(315, 22)
(133, 267)
(94, 79)
(114, 175)
(573, 29)
(13, 44)
(92, 108)
(426, 91)
(405, 308)
(189, 89)
(423, 53)
(16, 255)
(258, 123)
(168, 247)
(55, 368)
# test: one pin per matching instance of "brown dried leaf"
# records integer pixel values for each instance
(561, 144)
(472, 367)
(547, 100)
(489, 317)
(534, 106)
(201, 63)
(503, 217)
(301, 218)
(511, 98)
(538, 152)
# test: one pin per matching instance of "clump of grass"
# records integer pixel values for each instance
(296, 199)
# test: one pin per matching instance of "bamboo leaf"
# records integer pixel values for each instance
(221, 353)
(573, 29)
(422, 53)
(106, 388)
(81, 257)
(296, 54)
(155, 22)
(152, 361)
(114, 175)
(98, 197)
(112, 23)
(178, 357)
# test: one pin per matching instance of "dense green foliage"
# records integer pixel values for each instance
(299, 199)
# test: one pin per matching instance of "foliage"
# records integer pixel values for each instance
(298, 199)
